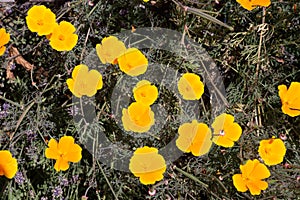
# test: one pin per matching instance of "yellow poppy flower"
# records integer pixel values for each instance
(226, 131)
(251, 4)
(133, 62)
(110, 50)
(251, 178)
(290, 99)
(190, 86)
(63, 152)
(8, 164)
(63, 37)
(194, 137)
(272, 151)
(4, 39)
(145, 93)
(148, 165)
(138, 117)
(84, 82)
(41, 19)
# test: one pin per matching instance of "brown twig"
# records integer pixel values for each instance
(260, 44)
(257, 109)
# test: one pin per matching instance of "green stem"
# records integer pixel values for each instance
(11, 102)
(111, 188)
(21, 119)
(94, 8)
(191, 176)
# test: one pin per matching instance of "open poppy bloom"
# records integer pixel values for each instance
(190, 86)
(8, 164)
(147, 164)
(138, 117)
(145, 93)
(290, 99)
(63, 152)
(226, 131)
(272, 151)
(41, 19)
(251, 178)
(63, 37)
(110, 49)
(251, 4)
(133, 62)
(4, 39)
(84, 82)
(194, 137)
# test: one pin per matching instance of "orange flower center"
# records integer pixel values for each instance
(40, 22)
(143, 94)
(246, 180)
(129, 67)
(61, 37)
(82, 86)
(267, 150)
(60, 154)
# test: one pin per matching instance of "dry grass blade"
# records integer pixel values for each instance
(207, 16)
(202, 14)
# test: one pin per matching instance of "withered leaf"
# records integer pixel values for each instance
(13, 52)
(9, 74)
